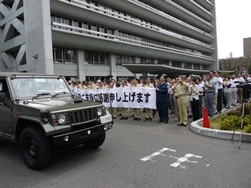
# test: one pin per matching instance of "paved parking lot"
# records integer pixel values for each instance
(137, 154)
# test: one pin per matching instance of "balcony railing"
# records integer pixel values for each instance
(188, 12)
(137, 21)
(169, 17)
(105, 36)
(196, 4)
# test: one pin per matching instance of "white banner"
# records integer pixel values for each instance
(122, 97)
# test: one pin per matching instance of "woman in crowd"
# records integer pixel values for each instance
(194, 99)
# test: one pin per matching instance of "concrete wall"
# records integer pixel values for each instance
(38, 37)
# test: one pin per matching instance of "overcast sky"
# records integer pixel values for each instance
(233, 19)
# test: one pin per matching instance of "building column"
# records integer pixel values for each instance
(215, 65)
(80, 56)
(38, 37)
(112, 60)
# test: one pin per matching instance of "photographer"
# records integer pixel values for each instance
(241, 80)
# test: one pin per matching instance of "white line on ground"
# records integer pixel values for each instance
(156, 154)
(185, 159)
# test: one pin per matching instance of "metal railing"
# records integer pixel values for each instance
(141, 23)
(115, 38)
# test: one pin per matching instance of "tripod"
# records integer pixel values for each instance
(242, 121)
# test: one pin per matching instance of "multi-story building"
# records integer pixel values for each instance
(247, 46)
(238, 64)
(95, 38)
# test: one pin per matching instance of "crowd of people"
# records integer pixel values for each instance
(183, 96)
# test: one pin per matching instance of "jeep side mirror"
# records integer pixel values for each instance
(2, 97)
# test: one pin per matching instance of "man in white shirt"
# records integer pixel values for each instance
(219, 87)
(200, 83)
(233, 90)
(214, 80)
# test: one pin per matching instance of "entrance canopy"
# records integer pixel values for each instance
(162, 69)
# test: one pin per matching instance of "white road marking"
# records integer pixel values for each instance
(156, 154)
(185, 159)
(180, 160)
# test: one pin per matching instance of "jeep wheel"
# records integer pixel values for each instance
(95, 142)
(35, 148)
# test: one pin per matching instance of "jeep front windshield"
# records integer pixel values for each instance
(25, 87)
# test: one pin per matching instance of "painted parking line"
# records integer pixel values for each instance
(185, 159)
(156, 154)
(179, 160)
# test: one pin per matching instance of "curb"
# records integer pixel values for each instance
(226, 135)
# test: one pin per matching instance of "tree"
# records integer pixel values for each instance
(249, 69)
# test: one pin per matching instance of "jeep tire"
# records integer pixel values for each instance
(35, 148)
(95, 142)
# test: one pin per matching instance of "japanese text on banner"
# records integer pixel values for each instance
(122, 97)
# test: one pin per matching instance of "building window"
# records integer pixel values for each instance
(123, 59)
(176, 64)
(95, 58)
(196, 66)
(187, 65)
(63, 55)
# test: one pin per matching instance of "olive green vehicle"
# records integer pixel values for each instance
(40, 113)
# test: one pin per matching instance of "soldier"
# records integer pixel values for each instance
(137, 111)
(78, 83)
(84, 85)
(181, 92)
(124, 111)
(101, 85)
(175, 100)
(114, 111)
(74, 88)
(70, 83)
(149, 112)
(92, 86)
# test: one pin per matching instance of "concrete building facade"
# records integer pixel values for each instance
(84, 39)
(247, 46)
(238, 64)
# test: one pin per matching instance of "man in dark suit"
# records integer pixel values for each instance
(162, 100)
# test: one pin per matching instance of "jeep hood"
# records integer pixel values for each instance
(59, 104)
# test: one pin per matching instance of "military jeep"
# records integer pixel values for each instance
(40, 113)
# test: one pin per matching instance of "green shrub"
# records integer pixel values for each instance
(247, 128)
(247, 120)
(231, 121)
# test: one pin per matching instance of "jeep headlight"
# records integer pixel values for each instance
(101, 111)
(58, 119)
(61, 119)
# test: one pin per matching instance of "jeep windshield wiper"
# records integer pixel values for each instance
(40, 94)
(59, 93)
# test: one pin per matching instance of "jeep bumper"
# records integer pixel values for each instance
(80, 136)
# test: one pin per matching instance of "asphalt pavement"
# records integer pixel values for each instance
(137, 154)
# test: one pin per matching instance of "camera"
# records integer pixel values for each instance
(246, 86)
